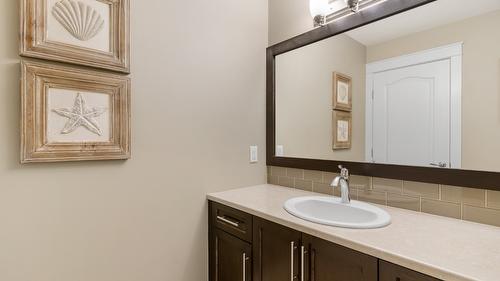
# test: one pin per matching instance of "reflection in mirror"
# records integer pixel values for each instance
(420, 88)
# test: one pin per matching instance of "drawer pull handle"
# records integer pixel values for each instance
(230, 222)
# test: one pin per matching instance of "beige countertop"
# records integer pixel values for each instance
(442, 247)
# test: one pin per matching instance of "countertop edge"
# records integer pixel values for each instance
(366, 249)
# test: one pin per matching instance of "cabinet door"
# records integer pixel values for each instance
(230, 257)
(392, 272)
(276, 252)
(331, 262)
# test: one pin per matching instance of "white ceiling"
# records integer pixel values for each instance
(423, 18)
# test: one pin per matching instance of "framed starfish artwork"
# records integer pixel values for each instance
(72, 114)
(86, 32)
(342, 130)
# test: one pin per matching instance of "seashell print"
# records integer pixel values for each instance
(78, 18)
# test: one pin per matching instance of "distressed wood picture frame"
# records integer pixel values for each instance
(342, 130)
(71, 114)
(93, 33)
(342, 92)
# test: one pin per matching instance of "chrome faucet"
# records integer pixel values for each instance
(343, 181)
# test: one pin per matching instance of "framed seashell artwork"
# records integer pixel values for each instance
(73, 114)
(93, 33)
(342, 92)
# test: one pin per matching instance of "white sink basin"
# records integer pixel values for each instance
(330, 211)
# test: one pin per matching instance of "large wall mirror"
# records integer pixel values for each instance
(420, 88)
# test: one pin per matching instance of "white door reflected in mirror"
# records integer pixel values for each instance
(409, 114)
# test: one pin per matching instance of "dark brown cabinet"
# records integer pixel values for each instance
(231, 258)
(230, 249)
(392, 272)
(276, 252)
(331, 262)
(248, 248)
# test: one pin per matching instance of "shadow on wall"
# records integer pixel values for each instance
(10, 112)
(8, 31)
(9, 84)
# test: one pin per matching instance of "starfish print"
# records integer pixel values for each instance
(80, 115)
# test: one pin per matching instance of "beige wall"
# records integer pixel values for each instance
(481, 81)
(304, 98)
(288, 18)
(198, 103)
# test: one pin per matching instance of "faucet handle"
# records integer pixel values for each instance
(335, 182)
(344, 172)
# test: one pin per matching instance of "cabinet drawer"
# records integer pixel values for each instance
(232, 221)
(392, 272)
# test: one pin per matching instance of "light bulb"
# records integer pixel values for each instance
(319, 7)
(353, 5)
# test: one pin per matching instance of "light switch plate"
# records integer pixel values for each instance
(280, 151)
(254, 154)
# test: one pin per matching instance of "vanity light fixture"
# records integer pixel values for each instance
(353, 5)
(319, 9)
(325, 11)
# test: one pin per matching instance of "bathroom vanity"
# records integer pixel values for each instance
(402, 90)
(252, 238)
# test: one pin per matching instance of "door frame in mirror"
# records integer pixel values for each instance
(456, 177)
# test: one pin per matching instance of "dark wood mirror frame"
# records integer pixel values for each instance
(456, 177)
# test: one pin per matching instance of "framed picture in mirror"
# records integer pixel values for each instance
(342, 130)
(92, 33)
(342, 92)
(71, 114)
